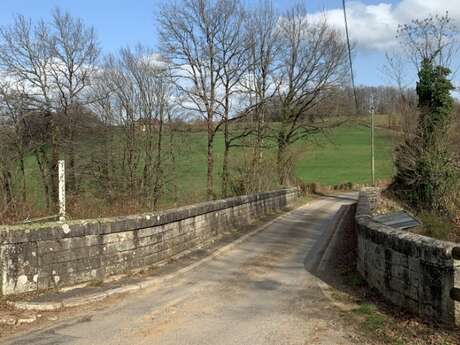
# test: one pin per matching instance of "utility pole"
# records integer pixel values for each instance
(372, 111)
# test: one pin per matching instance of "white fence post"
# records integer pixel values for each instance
(372, 111)
(62, 190)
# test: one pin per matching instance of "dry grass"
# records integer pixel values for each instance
(382, 324)
(441, 228)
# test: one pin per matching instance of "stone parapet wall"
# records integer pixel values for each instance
(55, 255)
(412, 271)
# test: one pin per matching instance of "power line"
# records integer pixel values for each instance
(372, 110)
(349, 54)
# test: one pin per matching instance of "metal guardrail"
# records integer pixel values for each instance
(455, 292)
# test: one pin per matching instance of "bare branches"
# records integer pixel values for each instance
(203, 41)
(134, 91)
(51, 63)
(75, 51)
(188, 36)
(252, 77)
(433, 38)
(313, 64)
(26, 57)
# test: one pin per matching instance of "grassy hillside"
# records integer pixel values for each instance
(342, 155)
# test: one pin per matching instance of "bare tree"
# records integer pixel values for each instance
(74, 48)
(264, 49)
(123, 94)
(137, 89)
(7, 143)
(231, 53)
(172, 154)
(26, 57)
(433, 38)
(395, 69)
(12, 111)
(188, 34)
(313, 62)
(104, 161)
(52, 63)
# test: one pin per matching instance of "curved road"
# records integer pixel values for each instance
(257, 293)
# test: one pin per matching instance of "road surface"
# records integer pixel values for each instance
(257, 293)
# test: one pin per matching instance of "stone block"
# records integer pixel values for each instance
(52, 255)
(418, 272)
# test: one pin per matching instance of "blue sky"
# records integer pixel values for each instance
(120, 22)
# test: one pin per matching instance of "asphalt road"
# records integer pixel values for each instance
(257, 293)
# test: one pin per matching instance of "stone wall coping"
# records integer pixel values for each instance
(427, 249)
(78, 228)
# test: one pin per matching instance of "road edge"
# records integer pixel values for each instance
(147, 283)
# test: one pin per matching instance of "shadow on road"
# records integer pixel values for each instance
(335, 267)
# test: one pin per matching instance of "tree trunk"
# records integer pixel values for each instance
(132, 190)
(6, 179)
(257, 159)
(53, 167)
(172, 157)
(225, 174)
(281, 160)
(72, 174)
(209, 187)
(147, 173)
(23, 175)
(158, 167)
(41, 162)
(53, 162)
(107, 172)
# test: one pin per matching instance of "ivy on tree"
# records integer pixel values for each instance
(426, 176)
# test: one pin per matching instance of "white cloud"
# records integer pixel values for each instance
(374, 26)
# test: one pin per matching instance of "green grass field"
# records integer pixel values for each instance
(344, 155)
(339, 156)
